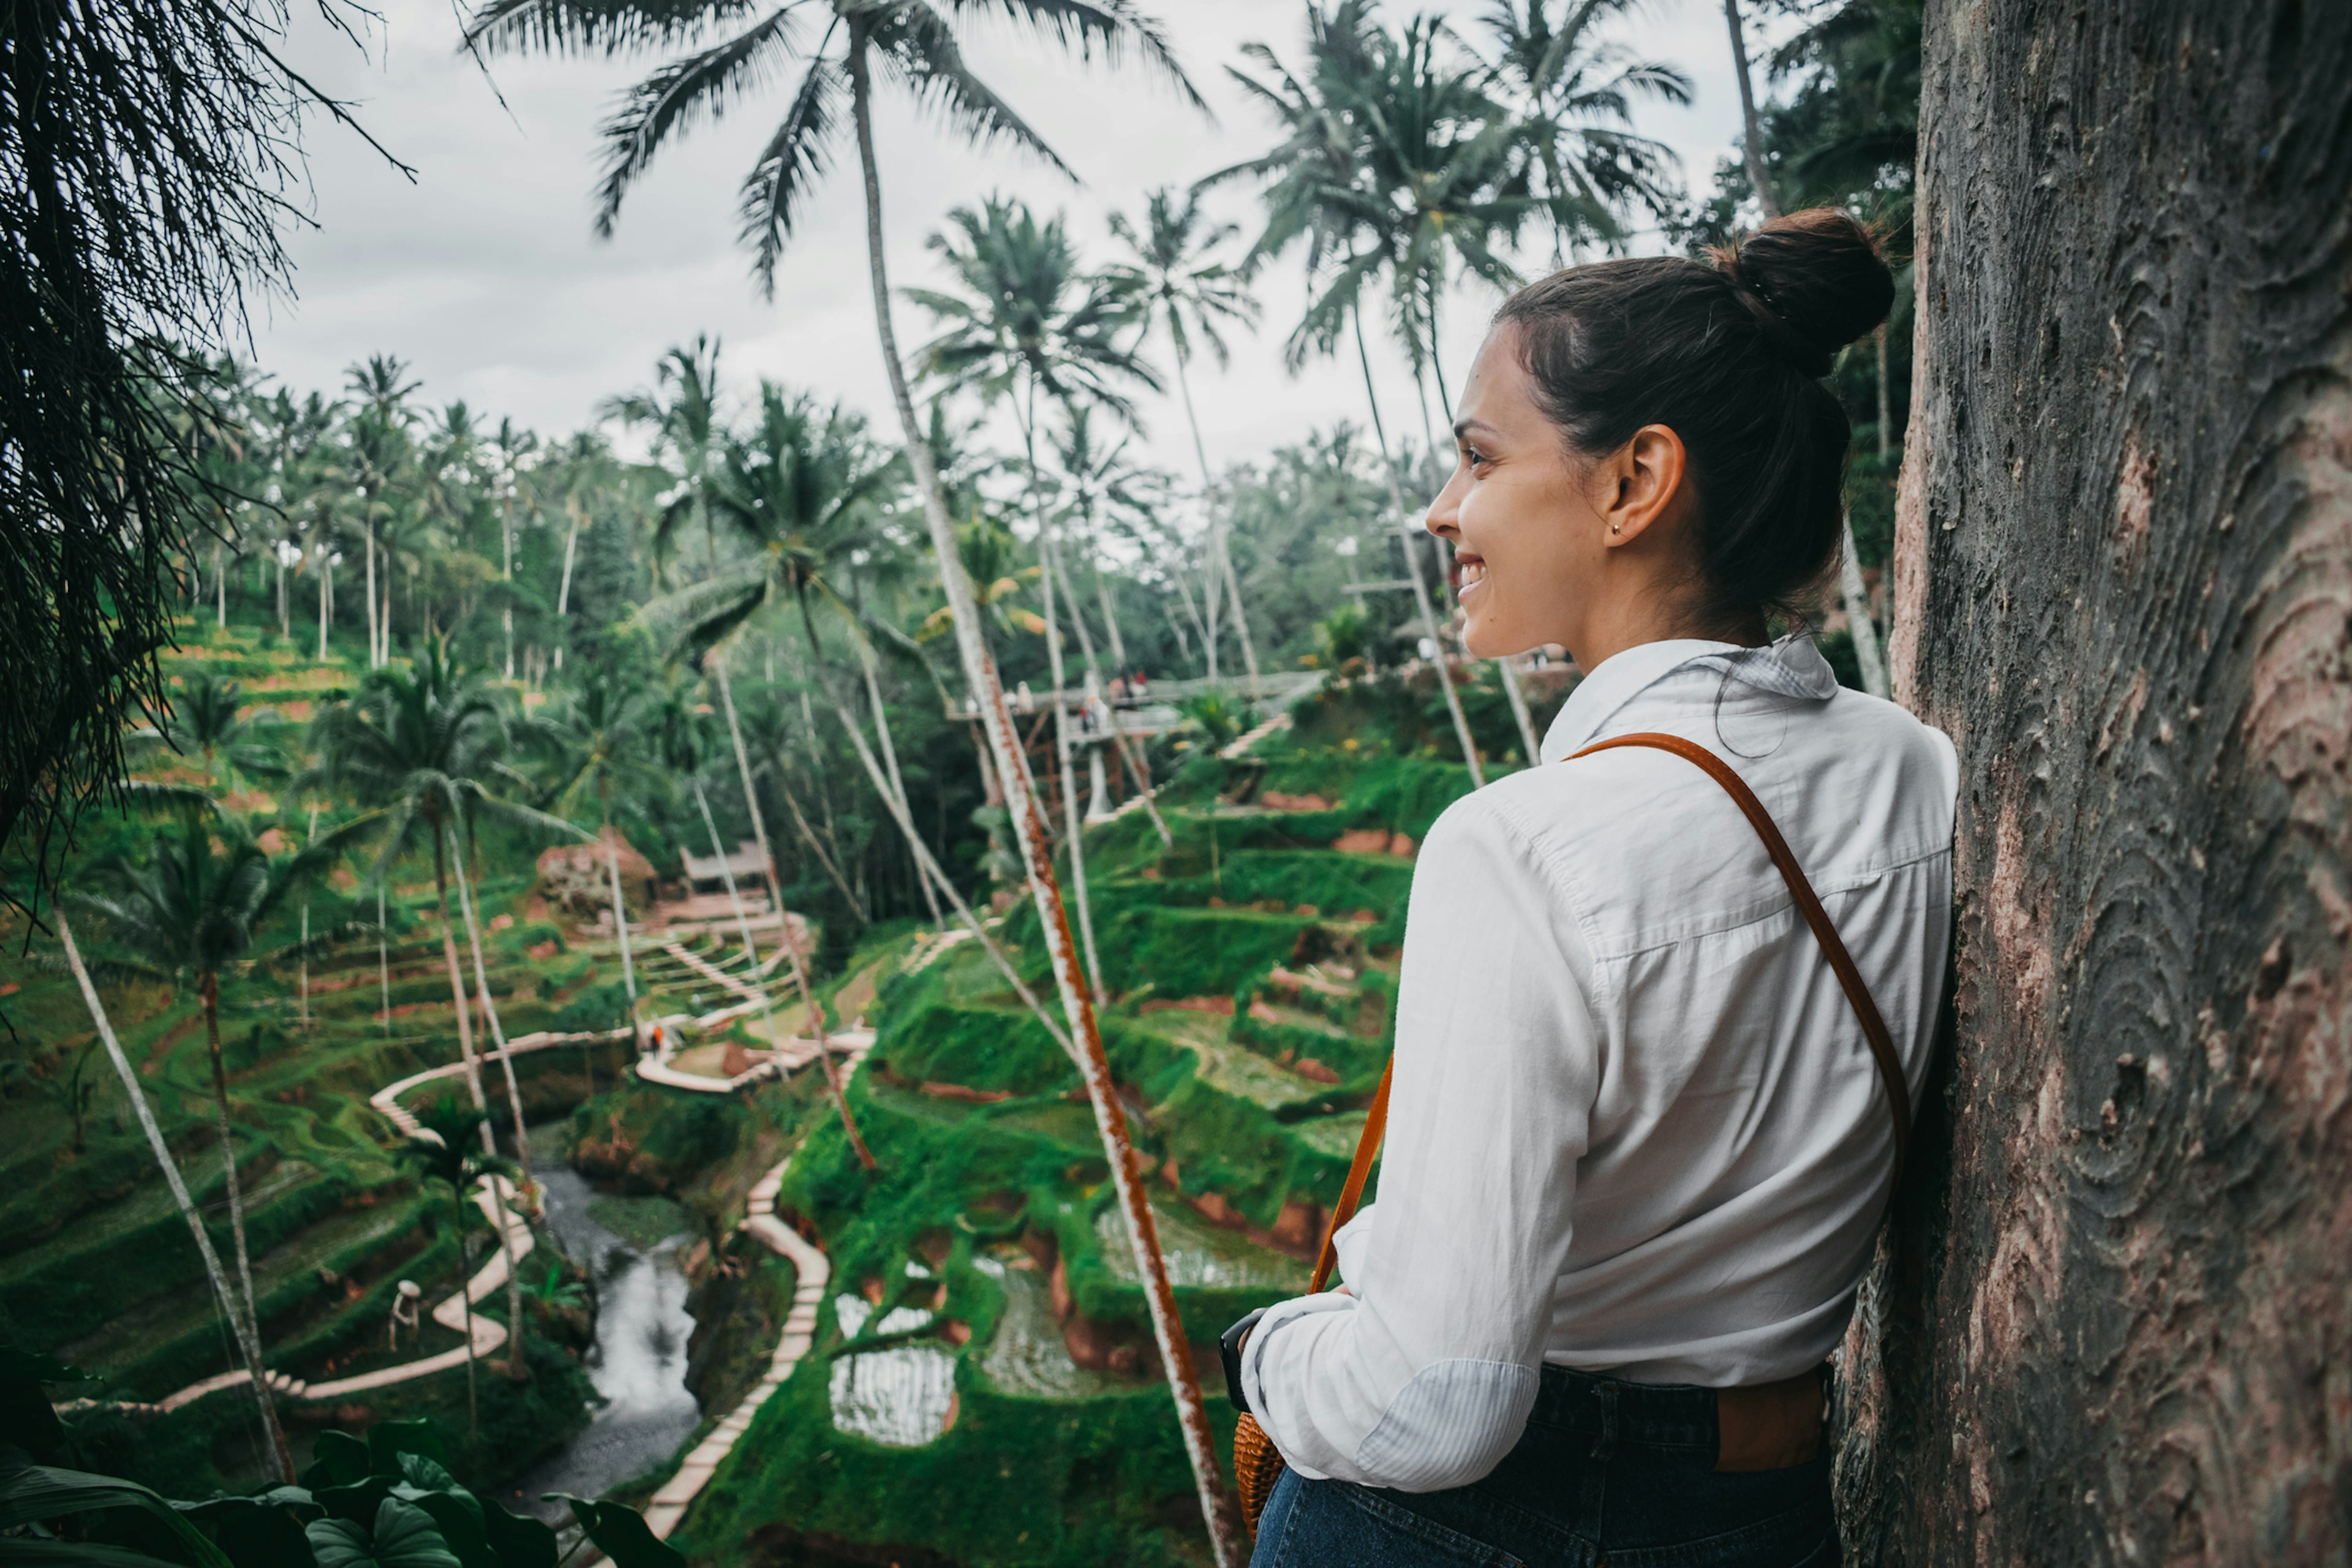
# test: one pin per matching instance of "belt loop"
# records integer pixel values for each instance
(1605, 1445)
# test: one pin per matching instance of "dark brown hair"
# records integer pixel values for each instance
(1730, 357)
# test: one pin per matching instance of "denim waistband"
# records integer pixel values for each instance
(1665, 1418)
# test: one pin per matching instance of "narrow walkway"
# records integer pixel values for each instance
(488, 1333)
(812, 1271)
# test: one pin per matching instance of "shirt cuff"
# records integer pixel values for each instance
(1277, 1317)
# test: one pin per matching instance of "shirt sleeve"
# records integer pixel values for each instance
(1421, 1376)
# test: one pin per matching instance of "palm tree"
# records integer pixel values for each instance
(207, 719)
(438, 1153)
(426, 749)
(1182, 291)
(189, 911)
(382, 452)
(1573, 95)
(595, 733)
(1319, 191)
(241, 1327)
(682, 411)
(1027, 321)
(914, 44)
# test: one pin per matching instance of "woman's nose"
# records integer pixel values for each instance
(1443, 516)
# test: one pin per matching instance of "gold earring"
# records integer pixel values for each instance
(1616, 528)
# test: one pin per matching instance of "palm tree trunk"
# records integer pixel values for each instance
(220, 590)
(1413, 566)
(465, 1295)
(929, 866)
(816, 846)
(896, 796)
(248, 1342)
(621, 926)
(382, 959)
(1751, 138)
(1223, 558)
(369, 525)
(1074, 828)
(1110, 619)
(1225, 1533)
(1527, 722)
(1856, 595)
(515, 1367)
(323, 570)
(743, 921)
(208, 990)
(458, 990)
(784, 925)
(564, 591)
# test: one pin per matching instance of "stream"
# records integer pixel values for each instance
(638, 1362)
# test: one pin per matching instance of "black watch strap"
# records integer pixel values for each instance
(1229, 1351)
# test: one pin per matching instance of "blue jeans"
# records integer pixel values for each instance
(1608, 1472)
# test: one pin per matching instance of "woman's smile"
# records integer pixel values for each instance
(1469, 571)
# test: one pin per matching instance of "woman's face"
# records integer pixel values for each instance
(1528, 540)
(1552, 546)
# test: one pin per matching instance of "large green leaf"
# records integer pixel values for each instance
(404, 1536)
(357, 1503)
(340, 1459)
(388, 1441)
(621, 1533)
(264, 1532)
(521, 1542)
(30, 1492)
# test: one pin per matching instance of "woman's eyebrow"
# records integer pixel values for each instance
(1463, 426)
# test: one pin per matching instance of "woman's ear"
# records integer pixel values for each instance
(1639, 483)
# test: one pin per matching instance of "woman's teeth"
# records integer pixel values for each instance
(1469, 574)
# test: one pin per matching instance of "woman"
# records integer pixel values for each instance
(1638, 1144)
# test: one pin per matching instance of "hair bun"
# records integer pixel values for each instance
(1818, 277)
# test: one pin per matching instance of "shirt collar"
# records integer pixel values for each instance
(1791, 666)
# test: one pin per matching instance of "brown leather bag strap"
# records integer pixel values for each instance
(1368, 1143)
(1874, 1027)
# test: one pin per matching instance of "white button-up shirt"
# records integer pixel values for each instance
(1635, 1126)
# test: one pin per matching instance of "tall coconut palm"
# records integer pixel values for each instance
(438, 1151)
(1319, 191)
(188, 912)
(914, 43)
(1026, 322)
(382, 452)
(680, 410)
(594, 735)
(1182, 289)
(1573, 92)
(248, 1341)
(427, 749)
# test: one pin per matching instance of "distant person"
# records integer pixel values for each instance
(1640, 1133)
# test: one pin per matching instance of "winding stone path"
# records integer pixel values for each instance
(812, 1271)
(852, 1044)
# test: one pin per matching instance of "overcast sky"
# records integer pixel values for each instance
(485, 277)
